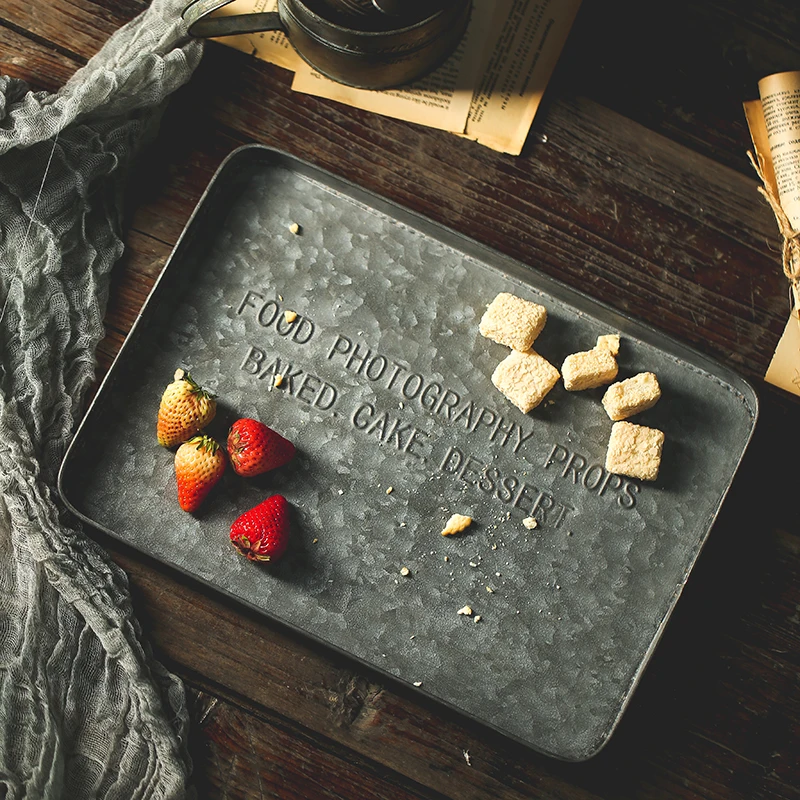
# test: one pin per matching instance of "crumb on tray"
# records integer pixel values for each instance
(456, 524)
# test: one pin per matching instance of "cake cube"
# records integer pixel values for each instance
(589, 369)
(512, 321)
(635, 451)
(609, 342)
(629, 397)
(525, 379)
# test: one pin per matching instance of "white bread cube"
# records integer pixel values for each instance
(512, 321)
(636, 394)
(525, 379)
(635, 451)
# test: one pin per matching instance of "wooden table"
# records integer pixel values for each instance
(634, 186)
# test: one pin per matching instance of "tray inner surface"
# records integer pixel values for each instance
(387, 384)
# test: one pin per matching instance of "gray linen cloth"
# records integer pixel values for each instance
(84, 709)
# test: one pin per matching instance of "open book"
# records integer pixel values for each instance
(488, 90)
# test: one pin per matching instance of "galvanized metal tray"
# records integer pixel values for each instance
(387, 395)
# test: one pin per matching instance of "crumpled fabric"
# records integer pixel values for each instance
(85, 711)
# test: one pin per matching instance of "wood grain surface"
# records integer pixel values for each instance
(634, 187)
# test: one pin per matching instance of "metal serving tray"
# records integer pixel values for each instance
(387, 395)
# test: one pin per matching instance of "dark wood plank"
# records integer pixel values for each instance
(76, 29)
(21, 57)
(681, 69)
(241, 754)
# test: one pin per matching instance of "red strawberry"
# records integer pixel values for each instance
(199, 464)
(185, 409)
(262, 533)
(254, 448)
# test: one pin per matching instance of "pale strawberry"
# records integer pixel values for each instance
(199, 464)
(186, 408)
(254, 448)
(262, 533)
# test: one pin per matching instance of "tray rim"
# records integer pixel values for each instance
(546, 283)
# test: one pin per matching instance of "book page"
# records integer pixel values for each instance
(439, 100)
(271, 46)
(524, 54)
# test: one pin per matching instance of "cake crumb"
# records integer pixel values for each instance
(490, 590)
(466, 611)
(405, 571)
(390, 490)
(278, 380)
(417, 683)
(314, 541)
(530, 523)
(456, 524)
(467, 758)
(295, 228)
(289, 316)
(477, 618)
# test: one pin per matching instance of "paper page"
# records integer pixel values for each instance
(488, 91)
(439, 100)
(784, 370)
(518, 70)
(774, 123)
(758, 133)
(780, 103)
(271, 46)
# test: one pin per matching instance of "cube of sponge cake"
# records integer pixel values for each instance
(512, 321)
(609, 342)
(635, 451)
(525, 379)
(626, 398)
(589, 369)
